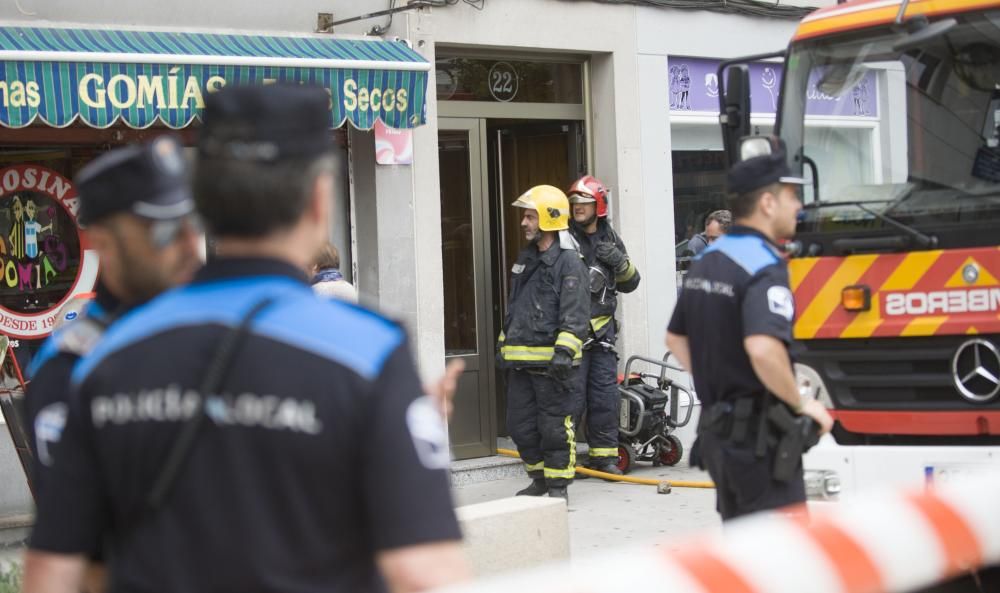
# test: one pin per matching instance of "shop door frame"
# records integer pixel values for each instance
(483, 360)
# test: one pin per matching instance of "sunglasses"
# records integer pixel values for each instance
(163, 233)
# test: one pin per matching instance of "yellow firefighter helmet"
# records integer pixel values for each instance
(551, 205)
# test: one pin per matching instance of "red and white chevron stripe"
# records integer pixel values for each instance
(891, 543)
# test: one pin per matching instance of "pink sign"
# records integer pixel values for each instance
(392, 146)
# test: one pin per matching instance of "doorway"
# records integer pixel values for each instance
(485, 164)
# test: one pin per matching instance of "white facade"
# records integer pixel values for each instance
(395, 210)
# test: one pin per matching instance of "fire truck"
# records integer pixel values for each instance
(891, 110)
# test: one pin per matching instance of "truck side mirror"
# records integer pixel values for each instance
(735, 118)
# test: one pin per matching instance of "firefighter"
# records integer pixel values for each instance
(610, 272)
(731, 329)
(542, 342)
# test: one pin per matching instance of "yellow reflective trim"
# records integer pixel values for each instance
(534, 467)
(569, 471)
(598, 322)
(569, 341)
(527, 353)
(604, 452)
(627, 274)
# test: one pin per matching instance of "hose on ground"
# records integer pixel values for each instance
(628, 479)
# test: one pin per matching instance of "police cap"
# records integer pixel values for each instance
(759, 171)
(148, 180)
(266, 123)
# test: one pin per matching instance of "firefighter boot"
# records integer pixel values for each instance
(559, 492)
(537, 488)
(607, 466)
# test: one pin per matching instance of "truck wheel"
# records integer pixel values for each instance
(671, 454)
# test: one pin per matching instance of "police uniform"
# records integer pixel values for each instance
(311, 451)
(599, 370)
(547, 312)
(46, 401)
(145, 180)
(736, 288)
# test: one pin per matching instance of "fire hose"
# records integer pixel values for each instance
(667, 484)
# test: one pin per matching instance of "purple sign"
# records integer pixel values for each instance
(694, 86)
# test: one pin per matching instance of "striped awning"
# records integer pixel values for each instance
(101, 76)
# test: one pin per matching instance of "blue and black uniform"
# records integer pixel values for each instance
(548, 310)
(737, 287)
(599, 368)
(308, 463)
(46, 401)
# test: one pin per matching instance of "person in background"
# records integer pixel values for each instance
(716, 224)
(327, 280)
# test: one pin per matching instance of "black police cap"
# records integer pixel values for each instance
(266, 123)
(760, 171)
(148, 180)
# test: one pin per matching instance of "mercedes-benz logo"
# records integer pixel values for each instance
(975, 369)
(970, 273)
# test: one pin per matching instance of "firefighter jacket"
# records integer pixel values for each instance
(604, 282)
(549, 306)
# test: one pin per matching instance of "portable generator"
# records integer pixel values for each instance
(648, 414)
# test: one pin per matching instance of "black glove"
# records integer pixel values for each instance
(561, 365)
(611, 256)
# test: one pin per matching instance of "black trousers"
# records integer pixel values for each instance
(743, 482)
(599, 375)
(540, 417)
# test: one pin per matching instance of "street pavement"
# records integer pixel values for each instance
(605, 515)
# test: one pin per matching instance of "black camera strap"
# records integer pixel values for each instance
(215, 375)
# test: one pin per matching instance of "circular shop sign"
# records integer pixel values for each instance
(503, 82)
(44, 257)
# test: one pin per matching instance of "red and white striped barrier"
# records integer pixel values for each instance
(888, 543)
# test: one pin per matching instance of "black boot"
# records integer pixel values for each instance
(537, 488)
(607, 467)
(559, 492)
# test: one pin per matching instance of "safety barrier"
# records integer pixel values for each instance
(889, 543)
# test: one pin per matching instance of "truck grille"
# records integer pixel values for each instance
(890, 373)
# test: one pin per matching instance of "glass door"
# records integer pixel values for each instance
(468, 333)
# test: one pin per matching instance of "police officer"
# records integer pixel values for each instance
(241, 433)
(140, 220)
(542, 342)
(732, 327)
(611, 271)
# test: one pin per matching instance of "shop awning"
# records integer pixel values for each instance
(100, 76)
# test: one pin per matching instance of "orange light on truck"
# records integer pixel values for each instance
(856, 298)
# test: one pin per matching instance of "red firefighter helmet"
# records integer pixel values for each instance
(589, 189)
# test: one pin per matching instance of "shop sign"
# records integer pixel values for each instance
(694, 87)
(44, 256)
(143, 94)
(393, 147)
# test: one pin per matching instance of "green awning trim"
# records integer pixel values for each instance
(100, 76)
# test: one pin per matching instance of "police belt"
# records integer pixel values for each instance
(771, 425)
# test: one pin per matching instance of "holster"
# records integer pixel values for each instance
(796, 435)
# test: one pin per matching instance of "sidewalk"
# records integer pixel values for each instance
(605, 515)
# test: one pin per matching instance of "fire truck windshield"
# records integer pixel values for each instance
(911, 131)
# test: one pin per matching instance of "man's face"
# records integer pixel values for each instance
(585, 213)
(529, 224)
(29, 209)
(786, 212)
(713, 230)
(18, 210)
(139, 260)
